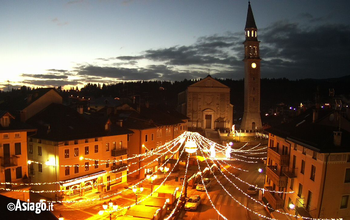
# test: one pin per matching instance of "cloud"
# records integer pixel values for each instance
(296, 52)
(58, 22)
(287, 49)
(45, 76)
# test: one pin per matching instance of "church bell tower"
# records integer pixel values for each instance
(251, 116)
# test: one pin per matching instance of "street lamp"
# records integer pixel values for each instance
(137, 191)
(110, 208)
(151, 178)
(164, 170)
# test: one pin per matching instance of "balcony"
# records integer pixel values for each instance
(291, 173)
(282, 160)
(279, 179)
(118, 152)
(119, 167)
(274, 200)
(9, 161)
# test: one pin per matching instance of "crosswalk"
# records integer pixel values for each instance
(222, 200)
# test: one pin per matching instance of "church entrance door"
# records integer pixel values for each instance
(208, 119)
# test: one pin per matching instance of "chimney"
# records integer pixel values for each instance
(337, 138)
(314, 115)
(120, 123)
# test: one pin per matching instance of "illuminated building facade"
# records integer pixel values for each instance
(207, 105)
(13, 157)
(152, 127)
(83, 155)
(251, 117)
(310, 155)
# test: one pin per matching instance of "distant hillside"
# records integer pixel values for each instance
(273, 91)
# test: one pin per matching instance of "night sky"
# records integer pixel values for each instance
(71, 43)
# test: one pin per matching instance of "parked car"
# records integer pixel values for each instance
(201, 187)
(193, 202)
(252, 190)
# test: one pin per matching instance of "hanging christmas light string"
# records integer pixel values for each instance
(67, 181)
(117, 193)
(249, 184)
(206, 191)
(223, 187)
(262, 204)
(182, 188)
(156, 189)
(75, 165)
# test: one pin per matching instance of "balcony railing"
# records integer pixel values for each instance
(274, 200)
(278, 178)
(291, 173)
(118, 152)
(119, 167)
(9, 161)
(281, 159)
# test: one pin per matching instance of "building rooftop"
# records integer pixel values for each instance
(316, 132)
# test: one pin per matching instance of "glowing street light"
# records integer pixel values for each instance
(137, 191)
(109, 208)
(151, 178)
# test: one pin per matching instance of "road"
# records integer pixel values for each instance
(221, 200)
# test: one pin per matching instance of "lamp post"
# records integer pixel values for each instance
(137, 191)
(110, 208)
(151, 178)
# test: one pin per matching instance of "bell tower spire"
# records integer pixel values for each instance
(251, 116)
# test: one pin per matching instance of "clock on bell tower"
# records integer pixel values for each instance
(251, 116)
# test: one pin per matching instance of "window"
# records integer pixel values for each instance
(146, 137)
(152, 137)
(314, 155)
(31, 169)
(40, 168)
(40, 152)
(66, 170)
(18, 172)
(18, 149)
(313, 172)
(107, 147)
(76, 152)
(107, 164)
(30, 148)
(96, 148)
(86, 150)
(304, 150)
(344, 202)
(76, 142)
(17, 135)
(66, 153)
(347, 176)
(291, 183)
(302, 169)
(96, 163)
(86, 166)
(76, 168)
(300, 191)
(295, 147)
(6, 136)
(271, 143)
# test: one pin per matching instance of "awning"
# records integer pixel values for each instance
(84, 178)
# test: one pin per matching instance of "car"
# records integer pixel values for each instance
(193, 202)
(201, 187)
(252, 190)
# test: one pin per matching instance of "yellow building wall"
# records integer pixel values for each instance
(12, 137)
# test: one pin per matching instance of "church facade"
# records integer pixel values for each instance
(207, 105)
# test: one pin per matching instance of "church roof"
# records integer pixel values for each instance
(209, 82)
(250, 23)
